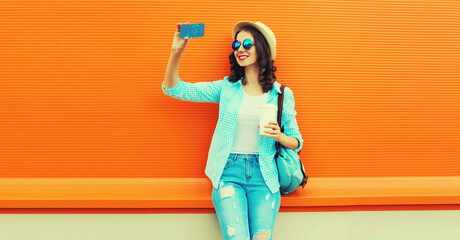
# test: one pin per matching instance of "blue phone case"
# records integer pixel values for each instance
(192, 30)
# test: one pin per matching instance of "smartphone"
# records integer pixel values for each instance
(192, 30)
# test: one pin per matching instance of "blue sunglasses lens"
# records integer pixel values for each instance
(247, 44)
(236, 45)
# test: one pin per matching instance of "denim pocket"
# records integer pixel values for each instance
(230, 162)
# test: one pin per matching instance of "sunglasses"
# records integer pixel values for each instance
(247, 44)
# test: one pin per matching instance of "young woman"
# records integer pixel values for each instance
(241, 162)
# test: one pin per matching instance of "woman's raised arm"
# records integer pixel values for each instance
(178, 46)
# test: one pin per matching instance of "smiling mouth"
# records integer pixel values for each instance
(243, 57)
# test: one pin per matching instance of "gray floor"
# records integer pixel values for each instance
(384, 225)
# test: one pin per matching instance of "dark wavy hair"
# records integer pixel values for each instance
(266, 69)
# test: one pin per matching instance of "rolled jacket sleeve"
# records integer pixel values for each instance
(289, 121)
(195, 92)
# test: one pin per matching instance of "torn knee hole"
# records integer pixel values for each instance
(262, 235)
(230, 231)
(227, 192)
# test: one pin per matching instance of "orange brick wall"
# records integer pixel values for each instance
(377, 85)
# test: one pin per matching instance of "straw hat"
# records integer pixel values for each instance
(268, 34)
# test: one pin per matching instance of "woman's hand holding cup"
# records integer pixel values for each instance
(272, 130)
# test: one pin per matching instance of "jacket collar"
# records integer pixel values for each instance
(276, 85)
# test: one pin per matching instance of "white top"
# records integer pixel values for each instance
(247, 138)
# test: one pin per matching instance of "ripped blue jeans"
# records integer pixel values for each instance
(245, 206)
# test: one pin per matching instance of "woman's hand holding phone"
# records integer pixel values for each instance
(179, 44)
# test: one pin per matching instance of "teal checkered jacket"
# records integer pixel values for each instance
(229, 96)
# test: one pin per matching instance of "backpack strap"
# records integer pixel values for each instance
(280, 116)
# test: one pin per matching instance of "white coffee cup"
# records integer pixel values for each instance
(267, 113)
